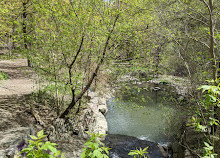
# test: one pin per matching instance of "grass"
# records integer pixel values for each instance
(3, 76)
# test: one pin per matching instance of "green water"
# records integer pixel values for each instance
(145, 114)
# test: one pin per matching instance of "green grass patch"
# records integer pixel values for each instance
(3, 76)
(163, 81)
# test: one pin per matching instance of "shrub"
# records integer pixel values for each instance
(94, 148)
(139, 153)
(39, 149)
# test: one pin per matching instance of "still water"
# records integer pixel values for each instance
(147, 114)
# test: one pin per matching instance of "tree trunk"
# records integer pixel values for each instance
(212, 51)
(24, 29)
(214, 64)
(71, 105)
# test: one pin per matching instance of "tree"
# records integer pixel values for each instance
(70, 37)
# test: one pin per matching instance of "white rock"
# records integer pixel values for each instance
(102, 101)
(100, 124)
(103, 109)
(92, 94)
(94, 100)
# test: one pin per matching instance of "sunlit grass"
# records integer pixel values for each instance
(3, 76)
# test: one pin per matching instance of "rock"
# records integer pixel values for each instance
(10, 139)
(107, 96)
(155, 88)
(102, 101)
(91, 105)
(2, 154)
(103, 109)
(73, 149)
(99, 125)
(121, 145)
(167, 146)
(92, 94)
(95, 100)
(81, 132)
(164, 153)
(93, 118)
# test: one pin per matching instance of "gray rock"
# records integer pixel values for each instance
(2, 154)
(163, 152)
(121, 145)
(11, 138)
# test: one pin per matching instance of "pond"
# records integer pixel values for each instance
(148, 112)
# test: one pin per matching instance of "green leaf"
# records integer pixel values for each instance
(205, 87)
(105, 156)
(97, 153)
(53, 149)
(213, 98)
(132, 153)
(33, 137)
(40, 133)
(145, 148)
(57, 153)
(83, 154)
(63, 155)
(43, 136)
(208, 147)
(49, 146)
(26, 149)
(96, 145)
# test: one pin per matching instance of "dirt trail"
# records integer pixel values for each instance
(15, 116)
(20, 78)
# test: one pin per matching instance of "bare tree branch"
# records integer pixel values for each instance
(205, 44)
(207, 5)
(197, 19)
(71, 3)
(100, 63)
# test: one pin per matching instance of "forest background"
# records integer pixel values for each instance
(77, 44)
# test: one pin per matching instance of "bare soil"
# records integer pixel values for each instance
(16, 97)
(20, 78)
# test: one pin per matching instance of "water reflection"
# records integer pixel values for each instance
(143, 114)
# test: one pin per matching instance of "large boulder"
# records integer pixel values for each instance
(121, 145)
(99, 125)
(11, 139)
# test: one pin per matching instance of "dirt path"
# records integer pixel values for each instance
(15, 116)
(20, 78)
